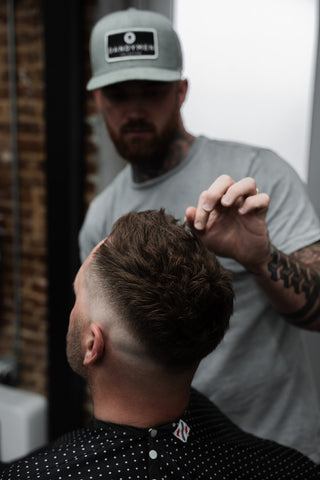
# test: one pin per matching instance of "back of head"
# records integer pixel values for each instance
(134, 45)
(171, 292)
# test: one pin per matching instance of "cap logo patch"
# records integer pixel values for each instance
(131, 44)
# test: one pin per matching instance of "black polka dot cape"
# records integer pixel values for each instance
(203, 444)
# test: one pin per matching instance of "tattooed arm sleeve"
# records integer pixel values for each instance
(292, 284)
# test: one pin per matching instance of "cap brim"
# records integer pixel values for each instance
(127, 74)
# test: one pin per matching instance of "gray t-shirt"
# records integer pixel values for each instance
(259, 374)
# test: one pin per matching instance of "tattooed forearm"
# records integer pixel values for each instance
(309, 255)
(301, 277)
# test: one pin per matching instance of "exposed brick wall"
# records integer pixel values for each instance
(32, 195)
(30, 74)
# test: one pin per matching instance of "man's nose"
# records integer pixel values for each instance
(135, 107)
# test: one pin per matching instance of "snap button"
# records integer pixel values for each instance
(153, 454)
(153, 432)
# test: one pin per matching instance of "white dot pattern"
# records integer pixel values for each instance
(216, 449)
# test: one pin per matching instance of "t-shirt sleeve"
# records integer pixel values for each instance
(291, 219)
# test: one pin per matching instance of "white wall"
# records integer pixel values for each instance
(250, 64)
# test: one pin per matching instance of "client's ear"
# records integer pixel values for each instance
(94, 345)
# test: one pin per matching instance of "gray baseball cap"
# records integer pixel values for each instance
(134, 45)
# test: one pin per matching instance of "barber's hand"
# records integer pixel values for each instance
(230, 219)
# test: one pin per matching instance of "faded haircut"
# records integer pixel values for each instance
(170, 291)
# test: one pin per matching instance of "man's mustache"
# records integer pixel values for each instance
(137, 126)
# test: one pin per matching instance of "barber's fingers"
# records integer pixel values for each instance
(239, 191)
(224, 192)
(209, 199)
(190, 216)
(259, 202)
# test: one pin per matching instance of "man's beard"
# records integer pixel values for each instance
(152, 148)
(74, 353)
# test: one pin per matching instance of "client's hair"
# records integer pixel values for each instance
(171, 292)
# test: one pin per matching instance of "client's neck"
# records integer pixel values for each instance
(141, 403)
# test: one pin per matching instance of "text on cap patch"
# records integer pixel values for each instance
(135, 44)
